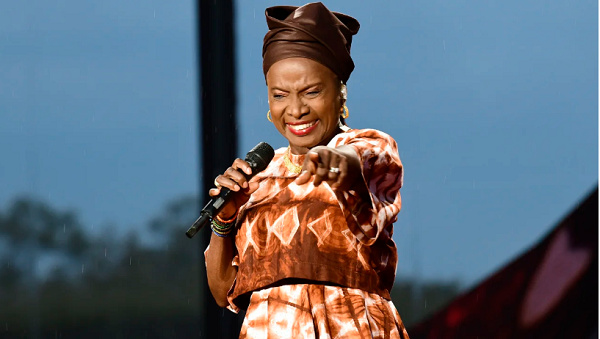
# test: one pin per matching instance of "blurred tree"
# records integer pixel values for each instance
(36, 238)
(142, 285)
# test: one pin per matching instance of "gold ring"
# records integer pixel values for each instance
(334, 170)
(217, 184)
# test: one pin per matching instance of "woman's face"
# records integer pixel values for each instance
(305, 102)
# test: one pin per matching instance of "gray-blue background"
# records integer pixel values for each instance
(493, 105)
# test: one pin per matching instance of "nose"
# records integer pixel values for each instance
(297, 108)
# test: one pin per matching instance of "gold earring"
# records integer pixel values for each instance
(345, 113)
(269, 116)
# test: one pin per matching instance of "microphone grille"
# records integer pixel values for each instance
(260, 156)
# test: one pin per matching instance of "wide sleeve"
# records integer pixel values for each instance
(382, 173)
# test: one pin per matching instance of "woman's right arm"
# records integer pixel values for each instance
(219, 255)
(219, 271)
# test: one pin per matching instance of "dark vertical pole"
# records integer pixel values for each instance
(218, 140)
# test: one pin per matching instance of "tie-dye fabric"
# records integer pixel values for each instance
(319, 311)
(288, 234)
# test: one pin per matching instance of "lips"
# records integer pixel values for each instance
(302, 128)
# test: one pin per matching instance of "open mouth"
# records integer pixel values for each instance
(303, 128)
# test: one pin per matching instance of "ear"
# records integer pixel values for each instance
(343, 94)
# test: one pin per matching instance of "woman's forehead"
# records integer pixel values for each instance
(299, 71)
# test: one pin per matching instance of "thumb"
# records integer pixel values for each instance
(311, 156)
(303, 178)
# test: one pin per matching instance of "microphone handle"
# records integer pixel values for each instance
(198, 224)
(211, 209)
(258, 158)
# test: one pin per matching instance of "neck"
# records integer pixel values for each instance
(297, 150)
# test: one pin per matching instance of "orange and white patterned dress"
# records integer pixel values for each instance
(317, 263)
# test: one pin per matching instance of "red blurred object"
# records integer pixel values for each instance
(551, 291)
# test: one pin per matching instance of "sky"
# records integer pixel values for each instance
(493, 104)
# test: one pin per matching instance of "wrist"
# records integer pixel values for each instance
(222, 228)
(228, 220)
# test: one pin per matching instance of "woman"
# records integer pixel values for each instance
(307, 245)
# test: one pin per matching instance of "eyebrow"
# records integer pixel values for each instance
(320, 83)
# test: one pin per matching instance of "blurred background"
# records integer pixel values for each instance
(493, 104)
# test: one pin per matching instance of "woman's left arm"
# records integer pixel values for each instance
(339, 167)
(369, 177)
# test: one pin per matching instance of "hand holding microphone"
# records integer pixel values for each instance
(233, 187)
(236, 179)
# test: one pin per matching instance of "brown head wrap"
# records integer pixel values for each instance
(312, 32)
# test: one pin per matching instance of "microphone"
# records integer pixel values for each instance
(258, 158)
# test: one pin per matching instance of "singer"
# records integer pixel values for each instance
(306, 245)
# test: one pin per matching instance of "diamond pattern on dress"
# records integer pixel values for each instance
(351, 240)
(321, 228)
(286, 226)
(249, 239)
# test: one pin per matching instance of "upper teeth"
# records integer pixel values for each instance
(303, 126)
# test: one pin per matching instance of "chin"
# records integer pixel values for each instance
(300, 142)
(308, 144)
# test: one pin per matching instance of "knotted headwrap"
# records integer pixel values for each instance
(310, 31)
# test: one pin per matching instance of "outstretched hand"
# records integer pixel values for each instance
(339, 167)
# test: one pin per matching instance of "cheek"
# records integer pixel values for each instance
(276, 112)
(276, 116)
(330, 111)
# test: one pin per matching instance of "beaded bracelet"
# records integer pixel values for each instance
(231, 220)
(220, 231)
(220, 228)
